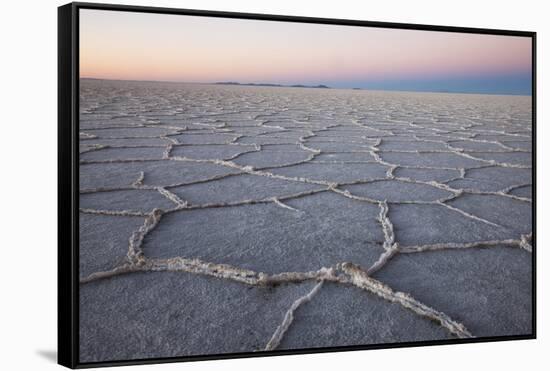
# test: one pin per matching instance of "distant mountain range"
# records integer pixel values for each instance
(276, 85)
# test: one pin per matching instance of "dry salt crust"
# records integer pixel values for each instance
(223, 219)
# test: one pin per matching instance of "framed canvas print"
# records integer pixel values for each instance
(236, 185)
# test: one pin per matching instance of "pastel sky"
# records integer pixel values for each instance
(145, 46)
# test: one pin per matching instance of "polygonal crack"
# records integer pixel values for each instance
(309, 194)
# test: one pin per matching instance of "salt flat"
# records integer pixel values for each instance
(222, 219)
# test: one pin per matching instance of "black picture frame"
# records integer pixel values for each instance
(68, 173)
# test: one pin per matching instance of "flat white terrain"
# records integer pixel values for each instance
(222, 219)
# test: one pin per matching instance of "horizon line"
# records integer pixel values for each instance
(306, 86)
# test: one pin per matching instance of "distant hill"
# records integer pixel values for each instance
(274, 85)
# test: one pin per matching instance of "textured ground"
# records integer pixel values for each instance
(222, 219)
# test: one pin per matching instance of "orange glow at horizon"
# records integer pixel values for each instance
(140, 46)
